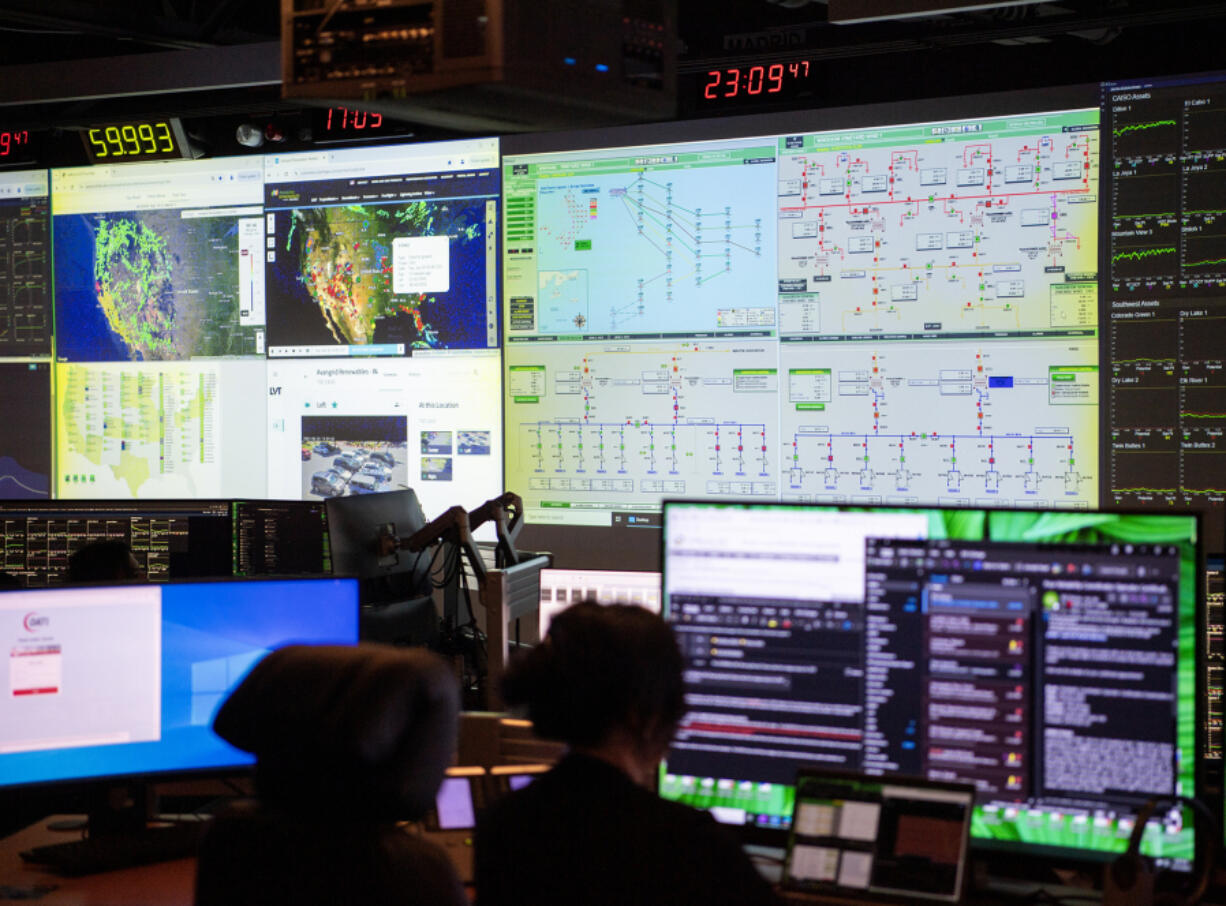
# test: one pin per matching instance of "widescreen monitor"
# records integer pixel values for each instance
(894, 304)
(1048, 657)
(1164, 263)
(561, 588)
(160, 329)
(123, 681)
(25, 335)
(280, 538)
(381, 273)
(171, 539)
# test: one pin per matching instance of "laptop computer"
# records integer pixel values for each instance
(878, 837)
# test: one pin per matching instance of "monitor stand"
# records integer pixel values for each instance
(121, 831)
(410, 622)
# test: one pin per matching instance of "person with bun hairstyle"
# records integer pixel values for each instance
(607, 681)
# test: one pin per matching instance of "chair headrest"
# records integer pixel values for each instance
(365, 731)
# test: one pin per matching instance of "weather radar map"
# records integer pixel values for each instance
(332, 277)
(154, 286)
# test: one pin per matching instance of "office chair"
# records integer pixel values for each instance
(348, 741)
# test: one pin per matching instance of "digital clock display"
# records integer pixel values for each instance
(760, 82)
(14, 144)
(115, 143)
(338, 123)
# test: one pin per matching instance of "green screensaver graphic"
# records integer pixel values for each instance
(1035, 831)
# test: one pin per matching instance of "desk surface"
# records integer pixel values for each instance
(161, 884)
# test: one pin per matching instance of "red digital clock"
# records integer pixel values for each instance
(14, 144)
(765, 83)
(338, 123)
(759, 81)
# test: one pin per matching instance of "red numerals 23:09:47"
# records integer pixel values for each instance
(728, 83)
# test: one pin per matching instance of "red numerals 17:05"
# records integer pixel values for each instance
(728, 83)
(354, 119)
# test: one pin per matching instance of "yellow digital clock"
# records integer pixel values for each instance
(155, 139)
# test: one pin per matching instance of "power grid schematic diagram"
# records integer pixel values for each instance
(616, 425)
(942, 229)
(996, 424)
(658, 242)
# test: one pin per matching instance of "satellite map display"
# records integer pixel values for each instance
(332, 281)
(149, 286)
(25, 443)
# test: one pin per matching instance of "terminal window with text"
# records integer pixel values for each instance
(1046, 658)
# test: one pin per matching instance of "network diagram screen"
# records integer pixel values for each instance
(1046, 658)
(898, 314)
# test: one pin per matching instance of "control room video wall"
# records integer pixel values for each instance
(1012, 300)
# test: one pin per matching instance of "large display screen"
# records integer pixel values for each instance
(1049, 658)
(160, 329)
(1165, 295)
(383, 251)
(25, 264)
(125, 681)
(896, 314)
(298, 326)
(382, 276)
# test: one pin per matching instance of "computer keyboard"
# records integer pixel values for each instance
(114, 851)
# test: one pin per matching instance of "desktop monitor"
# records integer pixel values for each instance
(280, 538)
(1047, 657)
(355, 526)
(171, 539)
(561, 588)
(123, 681)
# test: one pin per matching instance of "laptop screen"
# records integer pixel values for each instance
(867, 835)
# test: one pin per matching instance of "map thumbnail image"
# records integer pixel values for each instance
(344, 455)
(25, 443)
(149, 286)
(332, 279)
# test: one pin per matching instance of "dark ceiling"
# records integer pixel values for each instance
(40, 31)
(1000, 47)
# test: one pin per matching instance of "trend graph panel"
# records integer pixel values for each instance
(662, 241)
(1166, 401)
(25, 442)
(603, 426)
(950, 229)
(959, 424)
